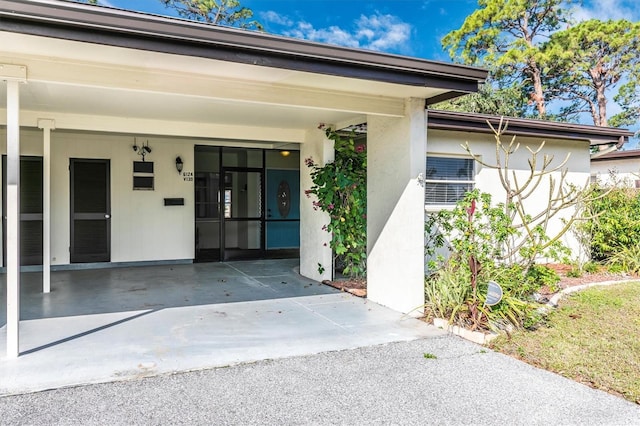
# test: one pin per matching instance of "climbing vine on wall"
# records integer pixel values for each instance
(340, 189)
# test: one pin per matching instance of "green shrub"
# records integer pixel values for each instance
(540, 276)
(446, 291)
(520, 283)
(510, 278)
(626, 259)
(574, 272)
(477, 233)
(591, 267)
(615, 221)
(615, 268)
(512, 312)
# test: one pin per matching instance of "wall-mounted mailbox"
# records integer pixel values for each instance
(143, 175)
(174, 201)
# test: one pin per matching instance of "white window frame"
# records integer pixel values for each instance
(427, 181)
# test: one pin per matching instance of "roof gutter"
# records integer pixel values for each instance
(604, 151)
(609, 149)
(478, 123)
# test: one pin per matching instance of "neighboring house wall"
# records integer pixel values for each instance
(625, 171)
(448, 144)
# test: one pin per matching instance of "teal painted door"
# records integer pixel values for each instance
(283, 209)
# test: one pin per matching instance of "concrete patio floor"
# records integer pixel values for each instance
(125, 323)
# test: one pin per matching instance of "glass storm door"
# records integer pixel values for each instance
(207, 186)
(242, 229)
(247, 203)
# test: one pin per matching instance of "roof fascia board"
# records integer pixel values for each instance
(477, 123)
(620, 155)
(114, 27)
(444, 97)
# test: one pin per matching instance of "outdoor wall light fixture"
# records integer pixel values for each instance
(179, 164)
(141, 150)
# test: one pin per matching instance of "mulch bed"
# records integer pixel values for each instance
(355, 286)
(358, 286)
(586, 278)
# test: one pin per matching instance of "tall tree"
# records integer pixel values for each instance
(628, 97)
(219, 12)
(490, 99)
(505, 36)
(589, 60)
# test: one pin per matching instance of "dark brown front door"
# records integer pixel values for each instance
(30, 210)
(90, 211)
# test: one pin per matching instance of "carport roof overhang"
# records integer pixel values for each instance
(134, 30)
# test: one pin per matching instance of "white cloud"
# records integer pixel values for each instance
(383, 32)
(331, 35)
(608, 9)
(375, 32)
(275, 18)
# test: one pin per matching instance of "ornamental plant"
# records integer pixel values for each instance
(475, 232)
(340, 189)
(503, 241)
(529, 214)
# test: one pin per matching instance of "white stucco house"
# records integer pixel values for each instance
(620, 167)
(130, 138)
(455, 171)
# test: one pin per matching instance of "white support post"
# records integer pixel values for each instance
(13, 75)
(46, 126)
(316, 259)
(396, 150)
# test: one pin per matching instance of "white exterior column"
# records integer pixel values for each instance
(314, 242)
(13, 75)
(396, 149)
(47, 126)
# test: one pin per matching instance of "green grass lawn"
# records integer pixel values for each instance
(593, 337)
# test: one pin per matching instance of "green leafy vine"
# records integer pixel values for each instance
(340, 189)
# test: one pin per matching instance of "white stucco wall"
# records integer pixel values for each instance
(315, 253)
(142, 228)
(395, 209)
(483, 145)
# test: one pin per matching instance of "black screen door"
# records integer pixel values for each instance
(242, 218)
(30, 210)
(90, 211)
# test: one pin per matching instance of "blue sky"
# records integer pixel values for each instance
(407, 27)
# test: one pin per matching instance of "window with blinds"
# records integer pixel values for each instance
(448, 179)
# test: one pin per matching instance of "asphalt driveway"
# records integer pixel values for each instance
(255, 343)
(383, 384)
